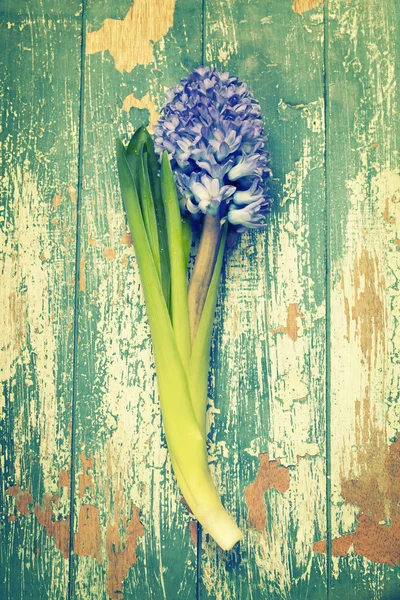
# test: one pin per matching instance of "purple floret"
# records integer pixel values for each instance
(211, 128)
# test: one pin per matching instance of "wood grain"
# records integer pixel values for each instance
(268, 386)
(40, 69)
(364, 187)
(322, 282)
(132, 536)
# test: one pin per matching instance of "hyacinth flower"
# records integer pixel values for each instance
(207, 164)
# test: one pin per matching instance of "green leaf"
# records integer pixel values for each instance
(178, 267)
(186, 238)
(154, 176)
(147, 205)
(184, 438)
(133, 152)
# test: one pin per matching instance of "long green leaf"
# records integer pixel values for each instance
(155, 182)
(186, 238)
(147, 205)
(133, 152)
(184, 438)
(178, 267)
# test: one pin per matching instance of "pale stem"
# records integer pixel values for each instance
(203, 270)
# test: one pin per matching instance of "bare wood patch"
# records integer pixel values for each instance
(85, 479)
(121, 556)
(292, 328)
(130, 40)
(22, 499)
(271, 474)
(87, 540)
(110, 254)
(193, 532)
(377, 493)
(144, 102)
(59, 530)
(302, 6)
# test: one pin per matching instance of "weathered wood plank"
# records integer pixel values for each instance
(132, 533)
(40, 70)
(268, 435)
(364, 191)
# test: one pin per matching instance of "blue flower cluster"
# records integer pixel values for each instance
(212, 130)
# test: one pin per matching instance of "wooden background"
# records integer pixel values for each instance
(304, 391)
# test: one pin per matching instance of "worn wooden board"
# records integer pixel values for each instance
(132, 531)
(268, 435)
(40, 69)
(363, 68)
(299, 333)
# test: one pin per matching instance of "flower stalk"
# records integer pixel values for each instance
(185, 436)
(211, 167)
(203, 270)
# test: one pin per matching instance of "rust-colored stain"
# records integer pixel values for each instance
(72, 193)
(59, 530)
(85, 480)
(126, 239)
(22, 499)
(193, 532)
(82, 273)
(291, 329)
(377, 494)
(56, 201)
(87, 540)
(120, 559)
(301, 6)
(110, 254)
(271, 474)
(130, 40)
(64, 479)
(366, 311)
(92, 241)
(386, 213)
(144, 102)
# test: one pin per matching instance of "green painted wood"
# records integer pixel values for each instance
(364, 195)
(40, 70)
(132, 534)
(268, 383)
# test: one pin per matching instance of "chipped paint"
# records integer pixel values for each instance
(130, 40)
(57, 529)
(270, 475)
(126, 239)
(85, 478)
(22, 499)
(82, 272)
(222, 23)
(376, 492)
(121, 552)
(145, 102)
(64, 479)
(56, 201)
(193, 532)
(27, 323)
(72, 193)
(110, 254)
(292, 327)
